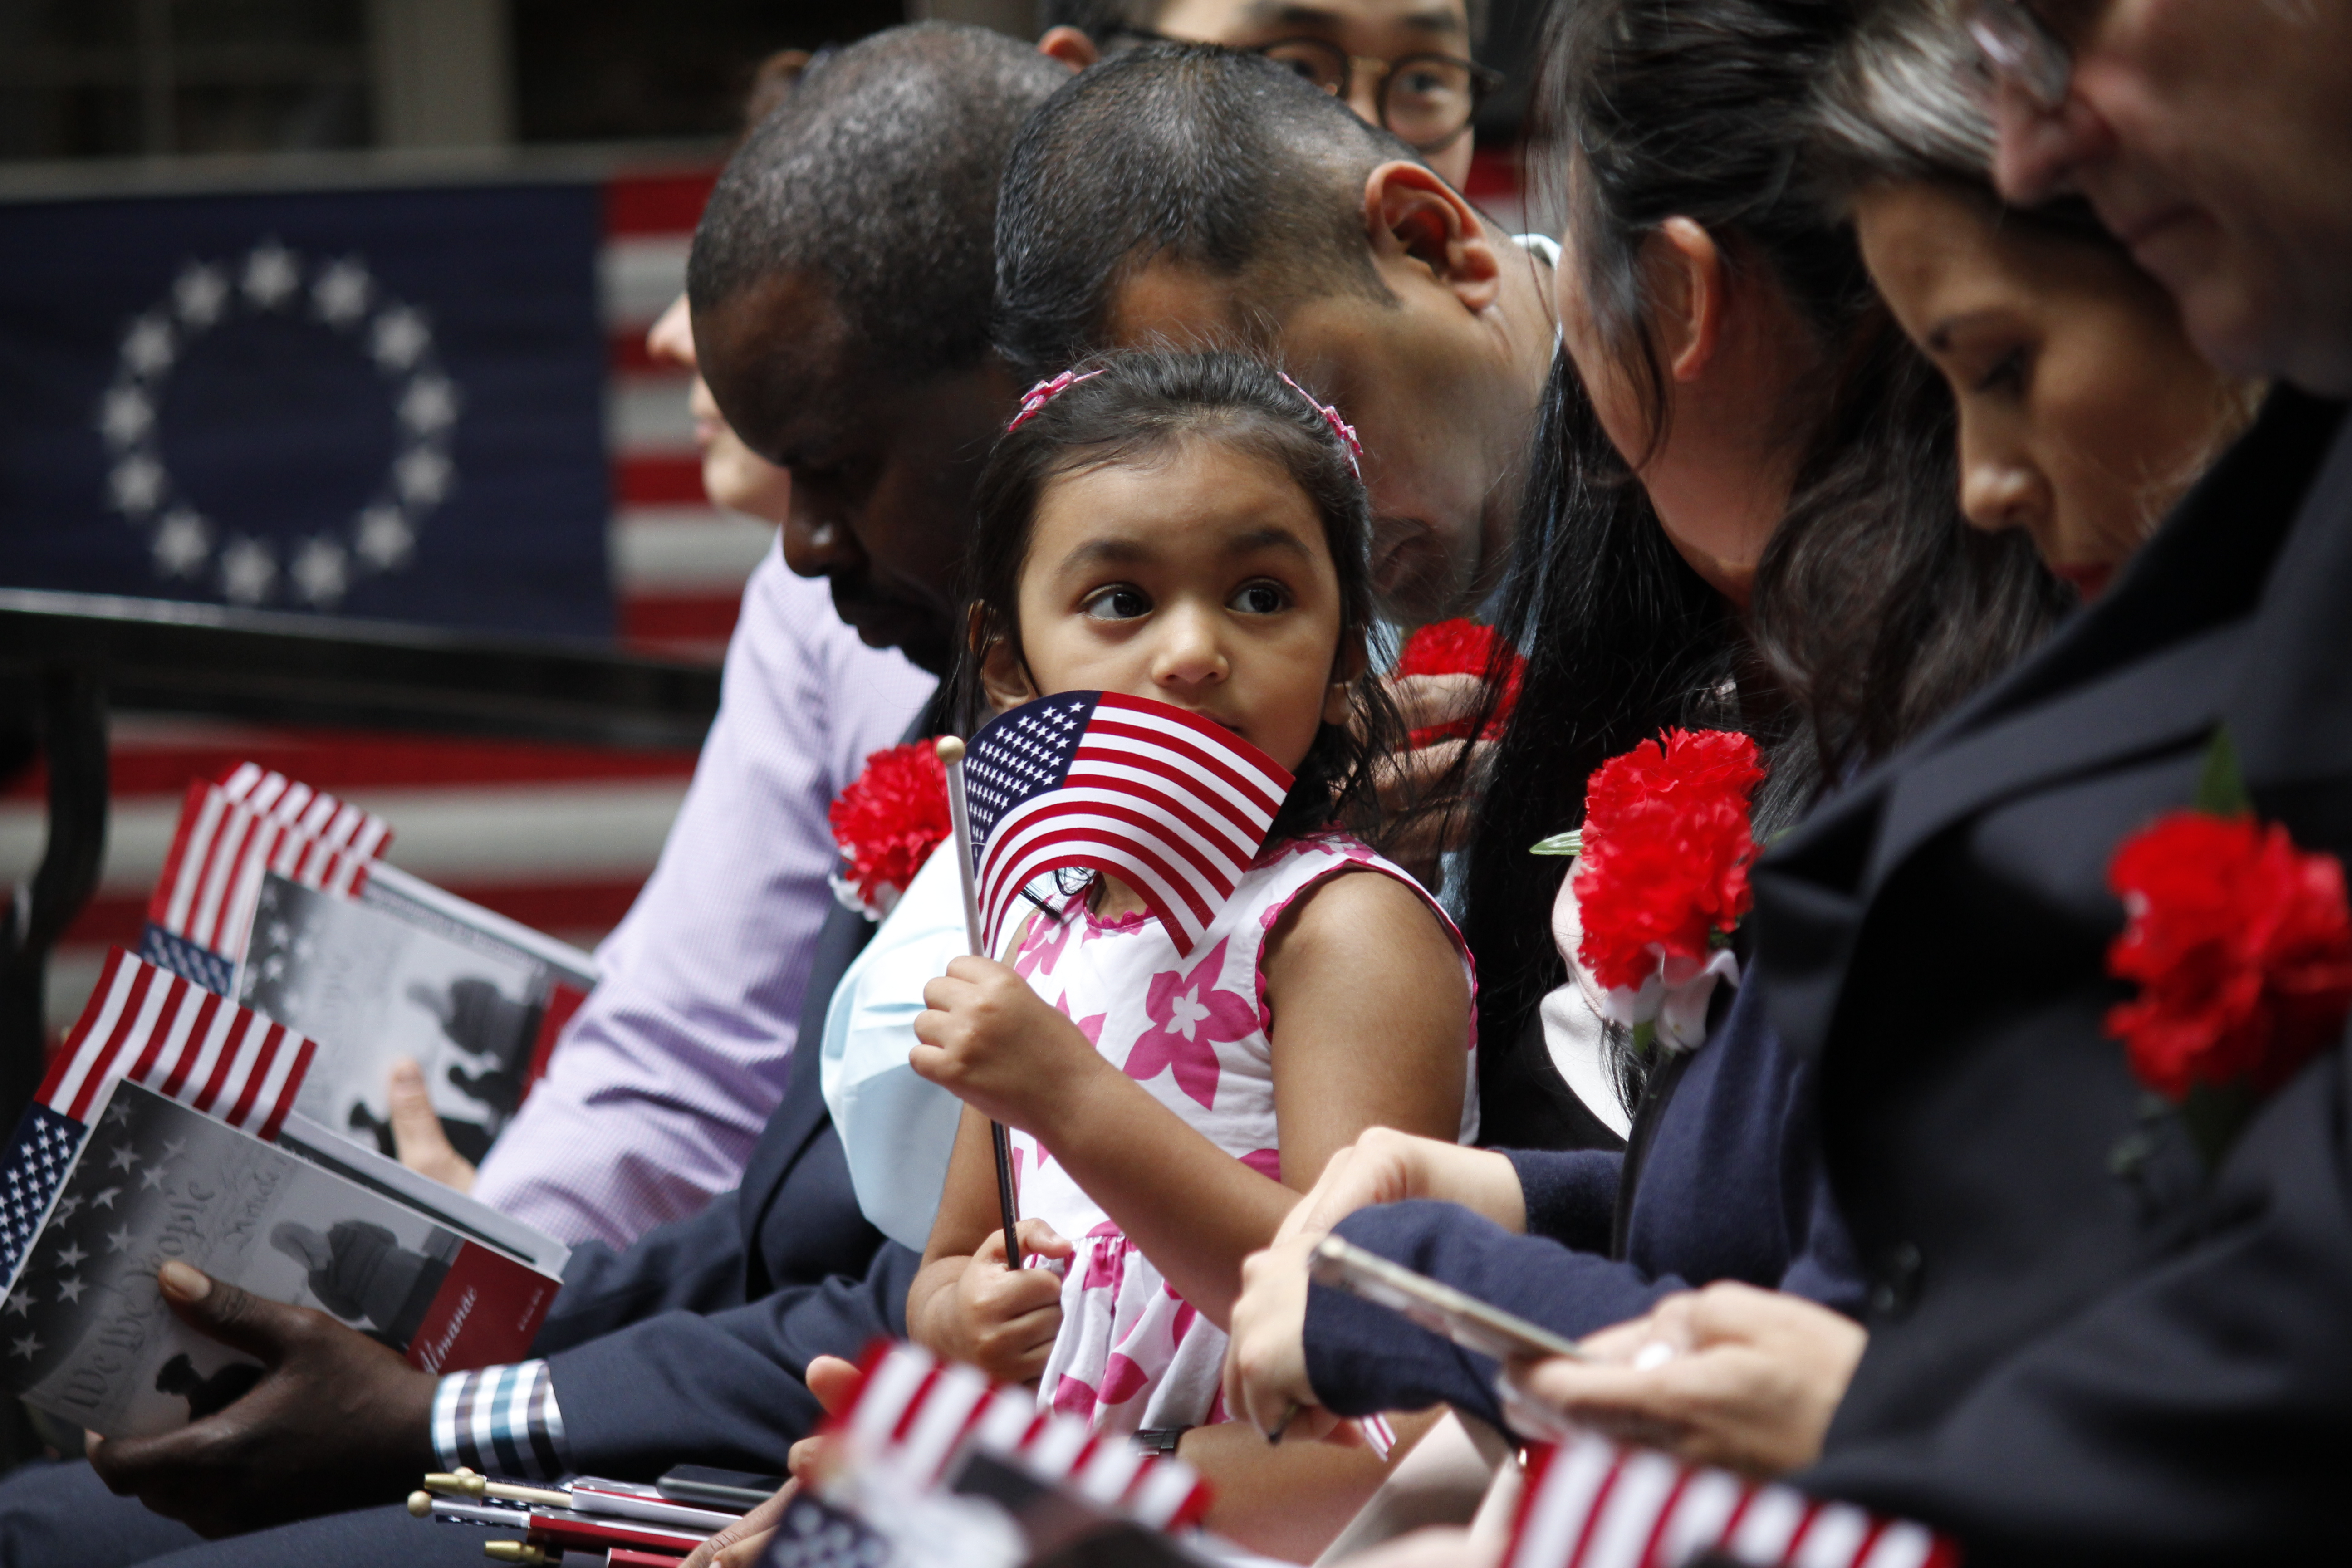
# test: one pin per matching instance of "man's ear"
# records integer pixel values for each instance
(1003, 674)
(1411, 214)
(1069, 45)
(1686, 284)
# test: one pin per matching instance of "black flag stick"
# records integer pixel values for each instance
(950, 751)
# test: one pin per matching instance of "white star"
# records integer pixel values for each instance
(148, 347)
(271, 273)
(126, 414)
(430, 405)
(67, 1206)
(136, 484)
(71, 1256)
(199, 294)
(172, 1148)
(386, 538)
(105, 1199)
(123, 1158)
(400, 338)
(421, 475)
(24, 1347)
(70, 1288)
(21, 1303)
(117, 1115)
(152, 1176)
(274, 966)
(322, 570)
(119, 1240)
(247, 570)
(183, 542)
(341, 294)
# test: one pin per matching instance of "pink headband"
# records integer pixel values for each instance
(1045, 391)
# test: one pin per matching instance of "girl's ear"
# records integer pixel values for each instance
(1003, 674)
(1340, 697)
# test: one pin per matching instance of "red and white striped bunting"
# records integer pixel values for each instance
(916, 1414)
(230, 834)
(160, 1031)
(1592, 1503)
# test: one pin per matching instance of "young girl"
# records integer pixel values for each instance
(1191, 529)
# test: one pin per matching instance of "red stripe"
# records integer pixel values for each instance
(156, 1037)
(1028, 839)
(914, 1406)
(140, 983)
(302, 1055)
(224, 1077)
(63, 1060)
(1796, 1537)
(229, 853)
(1861, 1553)
(665, 618)
(658, 480)
(656, 204)
(1031, 843)
(1245, 792)
(1249, 827)
(625, 353)
(253, 1081)
(184, 1064)
(1599, 1506)
(36, 783)
(1214, 734)
(1665, 1516)
(551, 906)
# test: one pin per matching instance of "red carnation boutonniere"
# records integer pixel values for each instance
(1460, 648)
(1661, 877)
(2241, 947)
(887, 822)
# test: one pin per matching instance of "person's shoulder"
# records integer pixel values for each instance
(1334, 887)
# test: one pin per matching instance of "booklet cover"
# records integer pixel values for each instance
(89, 1338)
(405, 969)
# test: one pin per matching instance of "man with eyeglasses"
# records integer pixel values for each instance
(2105, 1327)
(1403, 65)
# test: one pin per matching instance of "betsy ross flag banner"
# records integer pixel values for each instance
(915, 1415)
(1592, 1503)
(160, 1031)
(229, 835)
(1171, 804)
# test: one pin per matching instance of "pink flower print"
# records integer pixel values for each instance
(1043, 948)
(1190, 1015)
(1122, 1380)
(1266, 1162)
(1091, 1026)
(1107, 1262)
(1072, 1397)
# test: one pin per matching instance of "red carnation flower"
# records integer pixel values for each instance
(1667, 845)
(889, 821)
(1460, 648)
(2242, 945)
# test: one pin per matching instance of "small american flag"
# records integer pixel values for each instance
(158, 1030)
(915, 1414)
(231, 833)
(1592, 1503)
(1172, 805)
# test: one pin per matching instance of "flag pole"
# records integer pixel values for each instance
(950, 753)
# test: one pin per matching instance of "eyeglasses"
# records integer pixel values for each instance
(1425, 101)
(2021, 50)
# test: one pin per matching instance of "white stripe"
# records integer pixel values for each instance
(1836, 1536)
(1765, 1529)
(93, 1040)
(285, 1079)
(231, 1023)
(1212, 867)
(228, 845)
(1255, 798)
(1548, 1532)
(289, 806)
(484, 1432)
(1699, 1518)
(1901, 1544)
(1105, 1477)
(929, 1442)
(194, 859)
(1226, 842)
(266, 791)
(241, 779)
(1228, 748)
(649, 415)
(883, 1399)
(1014, 842)
(683, 547)
(516, 1396)
(1180, 917)
(1165, 1488)
(445, 1421)
(637, 275)
(1055, 1448)
(1643, 1484)
(1007, 1422)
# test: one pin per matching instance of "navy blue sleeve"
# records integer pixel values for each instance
(1361, 1358)
(722, 1388)
(693, 1265)
(1572, 1195)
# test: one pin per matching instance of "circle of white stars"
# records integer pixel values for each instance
(319, 569)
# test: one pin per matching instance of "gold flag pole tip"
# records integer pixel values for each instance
(949, 750)
(420, 1504)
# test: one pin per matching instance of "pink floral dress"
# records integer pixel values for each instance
(1193, 1031)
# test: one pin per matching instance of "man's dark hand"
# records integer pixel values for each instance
(338, 1421)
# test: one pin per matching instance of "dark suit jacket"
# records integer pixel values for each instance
(687, 1347)
(2082, 1348)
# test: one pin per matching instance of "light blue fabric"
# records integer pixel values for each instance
(895, 1129)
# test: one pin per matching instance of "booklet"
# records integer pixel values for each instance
(403, 969)
(89, 1338)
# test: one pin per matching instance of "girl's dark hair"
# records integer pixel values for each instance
(1874, 608)
(1130, 408)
